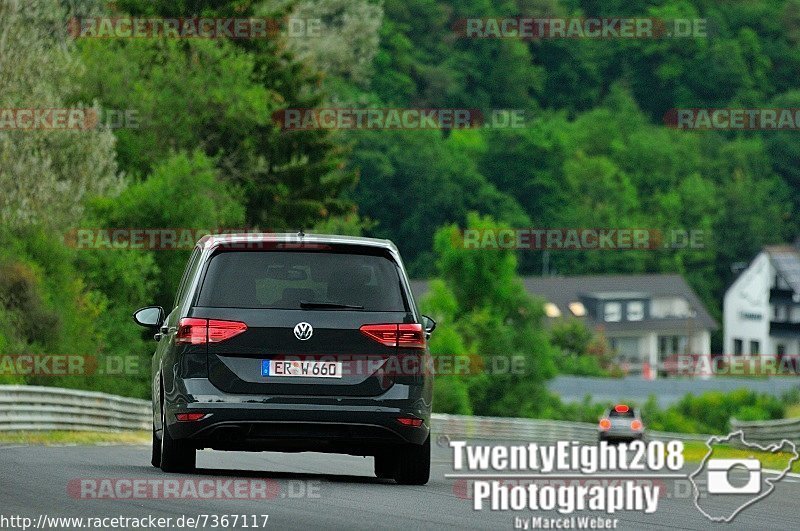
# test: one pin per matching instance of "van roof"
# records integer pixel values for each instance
(215, 240)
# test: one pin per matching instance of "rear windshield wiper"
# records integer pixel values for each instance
(332, 305)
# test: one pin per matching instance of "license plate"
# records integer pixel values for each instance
(303, 369)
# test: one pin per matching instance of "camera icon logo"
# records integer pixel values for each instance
(733, 484)
(720, 471)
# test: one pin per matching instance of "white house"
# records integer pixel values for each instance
(762, 306)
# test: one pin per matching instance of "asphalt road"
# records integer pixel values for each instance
(314, 491)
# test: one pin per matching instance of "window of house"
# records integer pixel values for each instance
(635, 311)
(755, 348)
(627, 349)
(672, 345)
(551, 310)
(738, 347)
(577, 309)
(780, 350)
(613, 312)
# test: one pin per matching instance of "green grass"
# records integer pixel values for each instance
(793, 411)
(695, 451)
(73, 437)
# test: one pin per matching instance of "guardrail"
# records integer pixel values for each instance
(542, 431)
(768, 431)
(31, 408)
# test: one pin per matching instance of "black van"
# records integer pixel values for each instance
(292, 343)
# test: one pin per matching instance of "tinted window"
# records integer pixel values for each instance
(625, 415)
(285, 279)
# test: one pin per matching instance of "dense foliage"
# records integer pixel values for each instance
(711, 412)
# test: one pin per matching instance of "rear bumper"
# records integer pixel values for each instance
(350, 425)
(621, 436)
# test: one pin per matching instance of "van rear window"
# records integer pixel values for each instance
(629, 414)
(289, 279)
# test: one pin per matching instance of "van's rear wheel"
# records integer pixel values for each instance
(413, 463)
(176, 455)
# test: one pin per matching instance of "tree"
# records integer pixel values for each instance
(482, 300)
(412, 182)
(46, 175)
(345, 43)
(183, 192)
(219, 97)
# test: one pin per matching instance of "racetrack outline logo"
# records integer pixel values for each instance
(770, 481)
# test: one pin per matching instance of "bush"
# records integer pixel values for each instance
(711, 412)
(579, 365)
(450, 392)
(25, 311)
(582, 352)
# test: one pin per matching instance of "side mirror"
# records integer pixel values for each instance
(429, 325)
(149, 317)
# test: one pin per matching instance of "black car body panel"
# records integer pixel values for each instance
(242, 409)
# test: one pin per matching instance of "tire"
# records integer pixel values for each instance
(413, 463)
(384, 466)
(155, 456)
(176, 455)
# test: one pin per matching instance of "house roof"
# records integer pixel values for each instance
(786, 259)
(561, 291)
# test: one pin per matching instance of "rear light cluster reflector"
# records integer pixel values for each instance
(636, 425)
(410, 421)
(605, 424)
(409, 335)
(195, 331)
(189, 417)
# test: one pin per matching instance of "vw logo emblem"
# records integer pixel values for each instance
(303, 331)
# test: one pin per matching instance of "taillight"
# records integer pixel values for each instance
(382, 333)
(222, 330)
(408, 335)
(200, 331)
(605, 424)
(189, 417)
(621, 408)
(636, 425)
(192, 331)
(410, 421)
